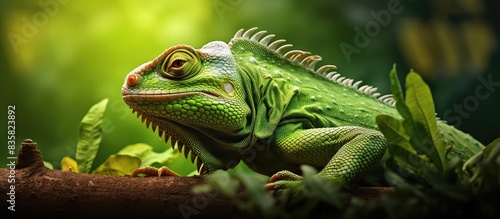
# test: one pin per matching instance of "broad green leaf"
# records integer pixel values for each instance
(138, 149)
(223, 182)
(148, 156)
(426, 137)
(401, 106)
(492, 150)
(193, 173)
(399, 145)
(408, 161)
(68, 163)
(394, 132)
(256, 191)
(419, 121)
(401, 183)
(90, 136)
(118, 165)
(487, 176)
(308, 171)
(48, 165)
(394, 178)
(483, 155)
(202, 189)
(326, 190)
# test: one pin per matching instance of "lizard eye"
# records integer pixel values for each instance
(180, 64)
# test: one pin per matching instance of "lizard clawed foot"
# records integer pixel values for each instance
(153, 171)
(285, 180)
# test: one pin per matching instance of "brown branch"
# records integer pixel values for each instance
(39, 190)
(42, 191)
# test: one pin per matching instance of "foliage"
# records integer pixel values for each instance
(147, 155)
(413, 141)
(322, 198)
(122, 163)
(90, 136)
(118, 165)
(487, 176)
(255, 202)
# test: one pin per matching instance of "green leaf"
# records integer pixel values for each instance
(148, 156)
(487, 177)
(308, 171)
(492, 150)
(394, 178)
(48, 165)
(426, 137)
(394, 131)
(402, 108)
(223, 182)
(325, 190)
(257, 192)
(409, 162)
(118, 165)
(399, 145)
(402, 184)
(90, 136)
(419, 120)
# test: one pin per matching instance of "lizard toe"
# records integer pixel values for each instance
(153, 171)
(293, 186)
(285, 180)
(165, 171)
(285, 175)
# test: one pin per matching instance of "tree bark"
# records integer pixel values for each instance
(38, 190)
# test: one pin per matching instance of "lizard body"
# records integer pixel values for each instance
(251, 100)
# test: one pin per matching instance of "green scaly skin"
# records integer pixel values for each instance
(250, 101)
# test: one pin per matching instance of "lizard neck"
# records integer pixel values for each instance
(266, 98)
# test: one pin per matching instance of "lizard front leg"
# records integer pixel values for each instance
(344, 153)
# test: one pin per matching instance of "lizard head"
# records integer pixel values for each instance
(195, 99)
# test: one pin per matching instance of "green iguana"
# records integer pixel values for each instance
(253, 101)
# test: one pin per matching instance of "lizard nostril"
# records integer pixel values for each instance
(132, 80)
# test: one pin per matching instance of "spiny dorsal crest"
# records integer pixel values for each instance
(308, 61)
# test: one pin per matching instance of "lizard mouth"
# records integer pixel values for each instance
(160, 96)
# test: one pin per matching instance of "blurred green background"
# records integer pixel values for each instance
(58, 58)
